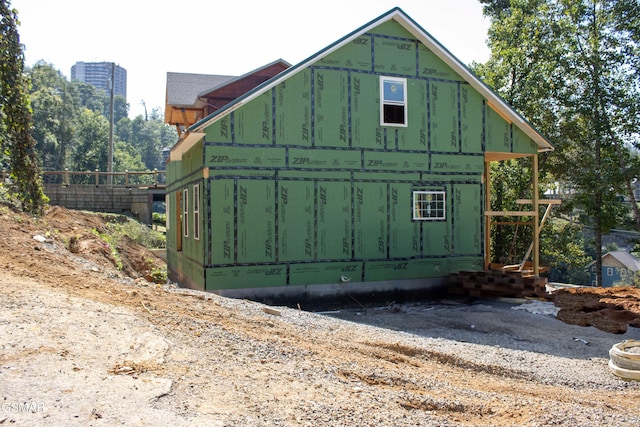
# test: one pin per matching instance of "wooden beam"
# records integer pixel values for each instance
(511, 223)
(536, 226)
(511, 213)
(487, 219)
(540, 201)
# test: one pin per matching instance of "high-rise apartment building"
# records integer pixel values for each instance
(98, 74)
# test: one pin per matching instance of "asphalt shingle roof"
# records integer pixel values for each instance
(183, 88)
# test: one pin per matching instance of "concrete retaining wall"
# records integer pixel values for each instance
(121, 200)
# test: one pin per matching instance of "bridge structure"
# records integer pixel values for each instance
(130, 193)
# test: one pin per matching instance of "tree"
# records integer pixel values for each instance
(149, 137)
(16, 139)
(55, 110)
(519, 70)
(567, 65)
(92, 137)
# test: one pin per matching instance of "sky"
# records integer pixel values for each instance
(149, 38)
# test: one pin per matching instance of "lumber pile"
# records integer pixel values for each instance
(497, 283)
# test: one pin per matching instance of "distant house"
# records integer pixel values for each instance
(364, 169)
(618, 267)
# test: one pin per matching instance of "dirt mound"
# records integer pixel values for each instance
(72, 239)
(608, 309)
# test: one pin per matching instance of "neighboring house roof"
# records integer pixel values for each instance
(183, 89)
(420, 34)
(625, 258)
(235, 79)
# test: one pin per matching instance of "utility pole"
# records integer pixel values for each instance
(110, 153)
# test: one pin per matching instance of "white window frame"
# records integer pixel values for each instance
(393, 102)
(423, 204)
(196, 211)
(167, 211)
(609, 271)
(185, 212)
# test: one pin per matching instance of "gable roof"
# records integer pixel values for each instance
(625, 258)
(183, 89)
(398, 15)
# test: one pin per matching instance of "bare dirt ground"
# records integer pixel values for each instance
(82, 343)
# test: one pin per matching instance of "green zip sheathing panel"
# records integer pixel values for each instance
(383, 161)
(334, 220)
(446, 163)
(370, 217)
(356, 55)
(258, 157)
(223, 244)
(300, 158)
(306, 187)
(185, 270)
(467, 218)
(253, 123)
(409, 269)
(365, 112)
(522, 143)
(328, 272)
(331, 109)
(432, 67)
(471, 126)
(296, 221)
(246, 277)
(220, 131)
(256, 221)
(498, 132)
(443, 99)
(293, 110)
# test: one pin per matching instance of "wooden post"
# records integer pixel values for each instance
(487, 218)
(536, 223)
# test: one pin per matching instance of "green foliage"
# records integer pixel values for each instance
(140, 233)
(93, 138)
(16, 143)
(570, 67)
(159, 218)
(510, 180)
(149, 137)
(563, 248)
(54, 113)
(111, 241)
(72, 127)
(120, 226)
(159, 275)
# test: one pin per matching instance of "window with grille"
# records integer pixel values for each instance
(429, 205)
(393, 101)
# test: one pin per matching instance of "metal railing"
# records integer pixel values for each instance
(153, 178)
